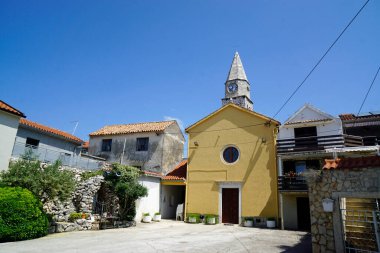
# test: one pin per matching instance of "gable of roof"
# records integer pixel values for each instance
(316, 115)
(252, 113)
(159, 126)
(178, 173)
(10, 109)
(50, 130)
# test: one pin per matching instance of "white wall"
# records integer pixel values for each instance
(290, 212)
(333, 127)
(8, 129)
(151, 203)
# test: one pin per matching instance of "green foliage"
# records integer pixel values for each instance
(208, 216)
(46, 183)
(271, 219)
(146, 214)
(76, 216)
(248, 218)
(21, 215)
(157, 213)
(88, 174)
(122, 180)
(197, 216)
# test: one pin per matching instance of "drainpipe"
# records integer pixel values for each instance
(122, 154)
(281, 202)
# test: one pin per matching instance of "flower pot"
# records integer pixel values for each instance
(192, 220)
(271, 223)
(147, 219)
(248, 223)
(211, 220)
(157, 217)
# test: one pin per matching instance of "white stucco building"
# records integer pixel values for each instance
(9, 122)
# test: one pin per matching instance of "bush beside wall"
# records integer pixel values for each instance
(21, 215)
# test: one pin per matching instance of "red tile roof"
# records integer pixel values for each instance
(346, 117)
(350, 163)
(133, 128)
(86, 144)
(10, 109)
(178, 173)
(151, 173)
(50, 130)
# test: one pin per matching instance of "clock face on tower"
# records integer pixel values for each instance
(232, 87)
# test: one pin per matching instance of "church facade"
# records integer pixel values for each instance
(231, 169)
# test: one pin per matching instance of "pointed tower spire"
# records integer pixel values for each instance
(237, 87)
(237, 69)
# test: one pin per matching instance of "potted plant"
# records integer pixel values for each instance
(193, 218)
(147, 218)
(157, 216)
(84, 216)
(271, 222)
(248, 222)
(210, 219)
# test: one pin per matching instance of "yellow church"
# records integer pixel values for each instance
(231, 169)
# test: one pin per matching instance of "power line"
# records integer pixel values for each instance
(320, 60)
(368, 91)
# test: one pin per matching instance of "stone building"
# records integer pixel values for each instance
(9, 122)
(344, 205)
(151, 146)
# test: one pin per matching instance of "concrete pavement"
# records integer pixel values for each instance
(167, 236)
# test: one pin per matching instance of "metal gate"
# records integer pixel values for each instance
(361, 230)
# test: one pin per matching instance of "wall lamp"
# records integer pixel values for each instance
(196, 143)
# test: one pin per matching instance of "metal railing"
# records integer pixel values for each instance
(292, 183)
(315, 143)
(361, 230)
(49, 155)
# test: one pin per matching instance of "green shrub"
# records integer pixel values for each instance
(197, 216)
(21, 215)
(123, 181)
(248, 218)
(146, 214)
(46, 184)
(157, 213)
(208, 216)
(75, 216)
(271, 219)
(89, 174)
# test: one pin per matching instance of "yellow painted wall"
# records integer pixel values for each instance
(256, 167)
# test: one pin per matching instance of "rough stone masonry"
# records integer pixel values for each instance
(346, 183)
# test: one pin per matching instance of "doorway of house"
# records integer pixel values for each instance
(303, 214)
(171, 197)
(230, 205)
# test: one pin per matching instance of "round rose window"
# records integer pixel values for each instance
(230, 154)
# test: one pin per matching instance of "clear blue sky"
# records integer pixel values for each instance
(112, 62)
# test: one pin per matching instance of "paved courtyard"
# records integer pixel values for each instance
(167, 236)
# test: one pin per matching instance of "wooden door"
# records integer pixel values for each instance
(230, 205)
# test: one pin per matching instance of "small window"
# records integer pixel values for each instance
(30, 142)
(230, 154)
(106, 145)
(142, 144)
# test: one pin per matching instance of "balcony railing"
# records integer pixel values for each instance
(316, 143)
(296, 183)
(48, 155)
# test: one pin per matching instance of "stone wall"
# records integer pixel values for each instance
(81, 200)
(336, 184)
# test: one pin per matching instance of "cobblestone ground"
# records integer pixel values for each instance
(167, 236)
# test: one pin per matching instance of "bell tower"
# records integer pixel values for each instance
(237, 87)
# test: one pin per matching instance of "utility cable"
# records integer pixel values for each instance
(320, 60)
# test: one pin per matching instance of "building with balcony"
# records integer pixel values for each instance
(48, 144)
(307, 138)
